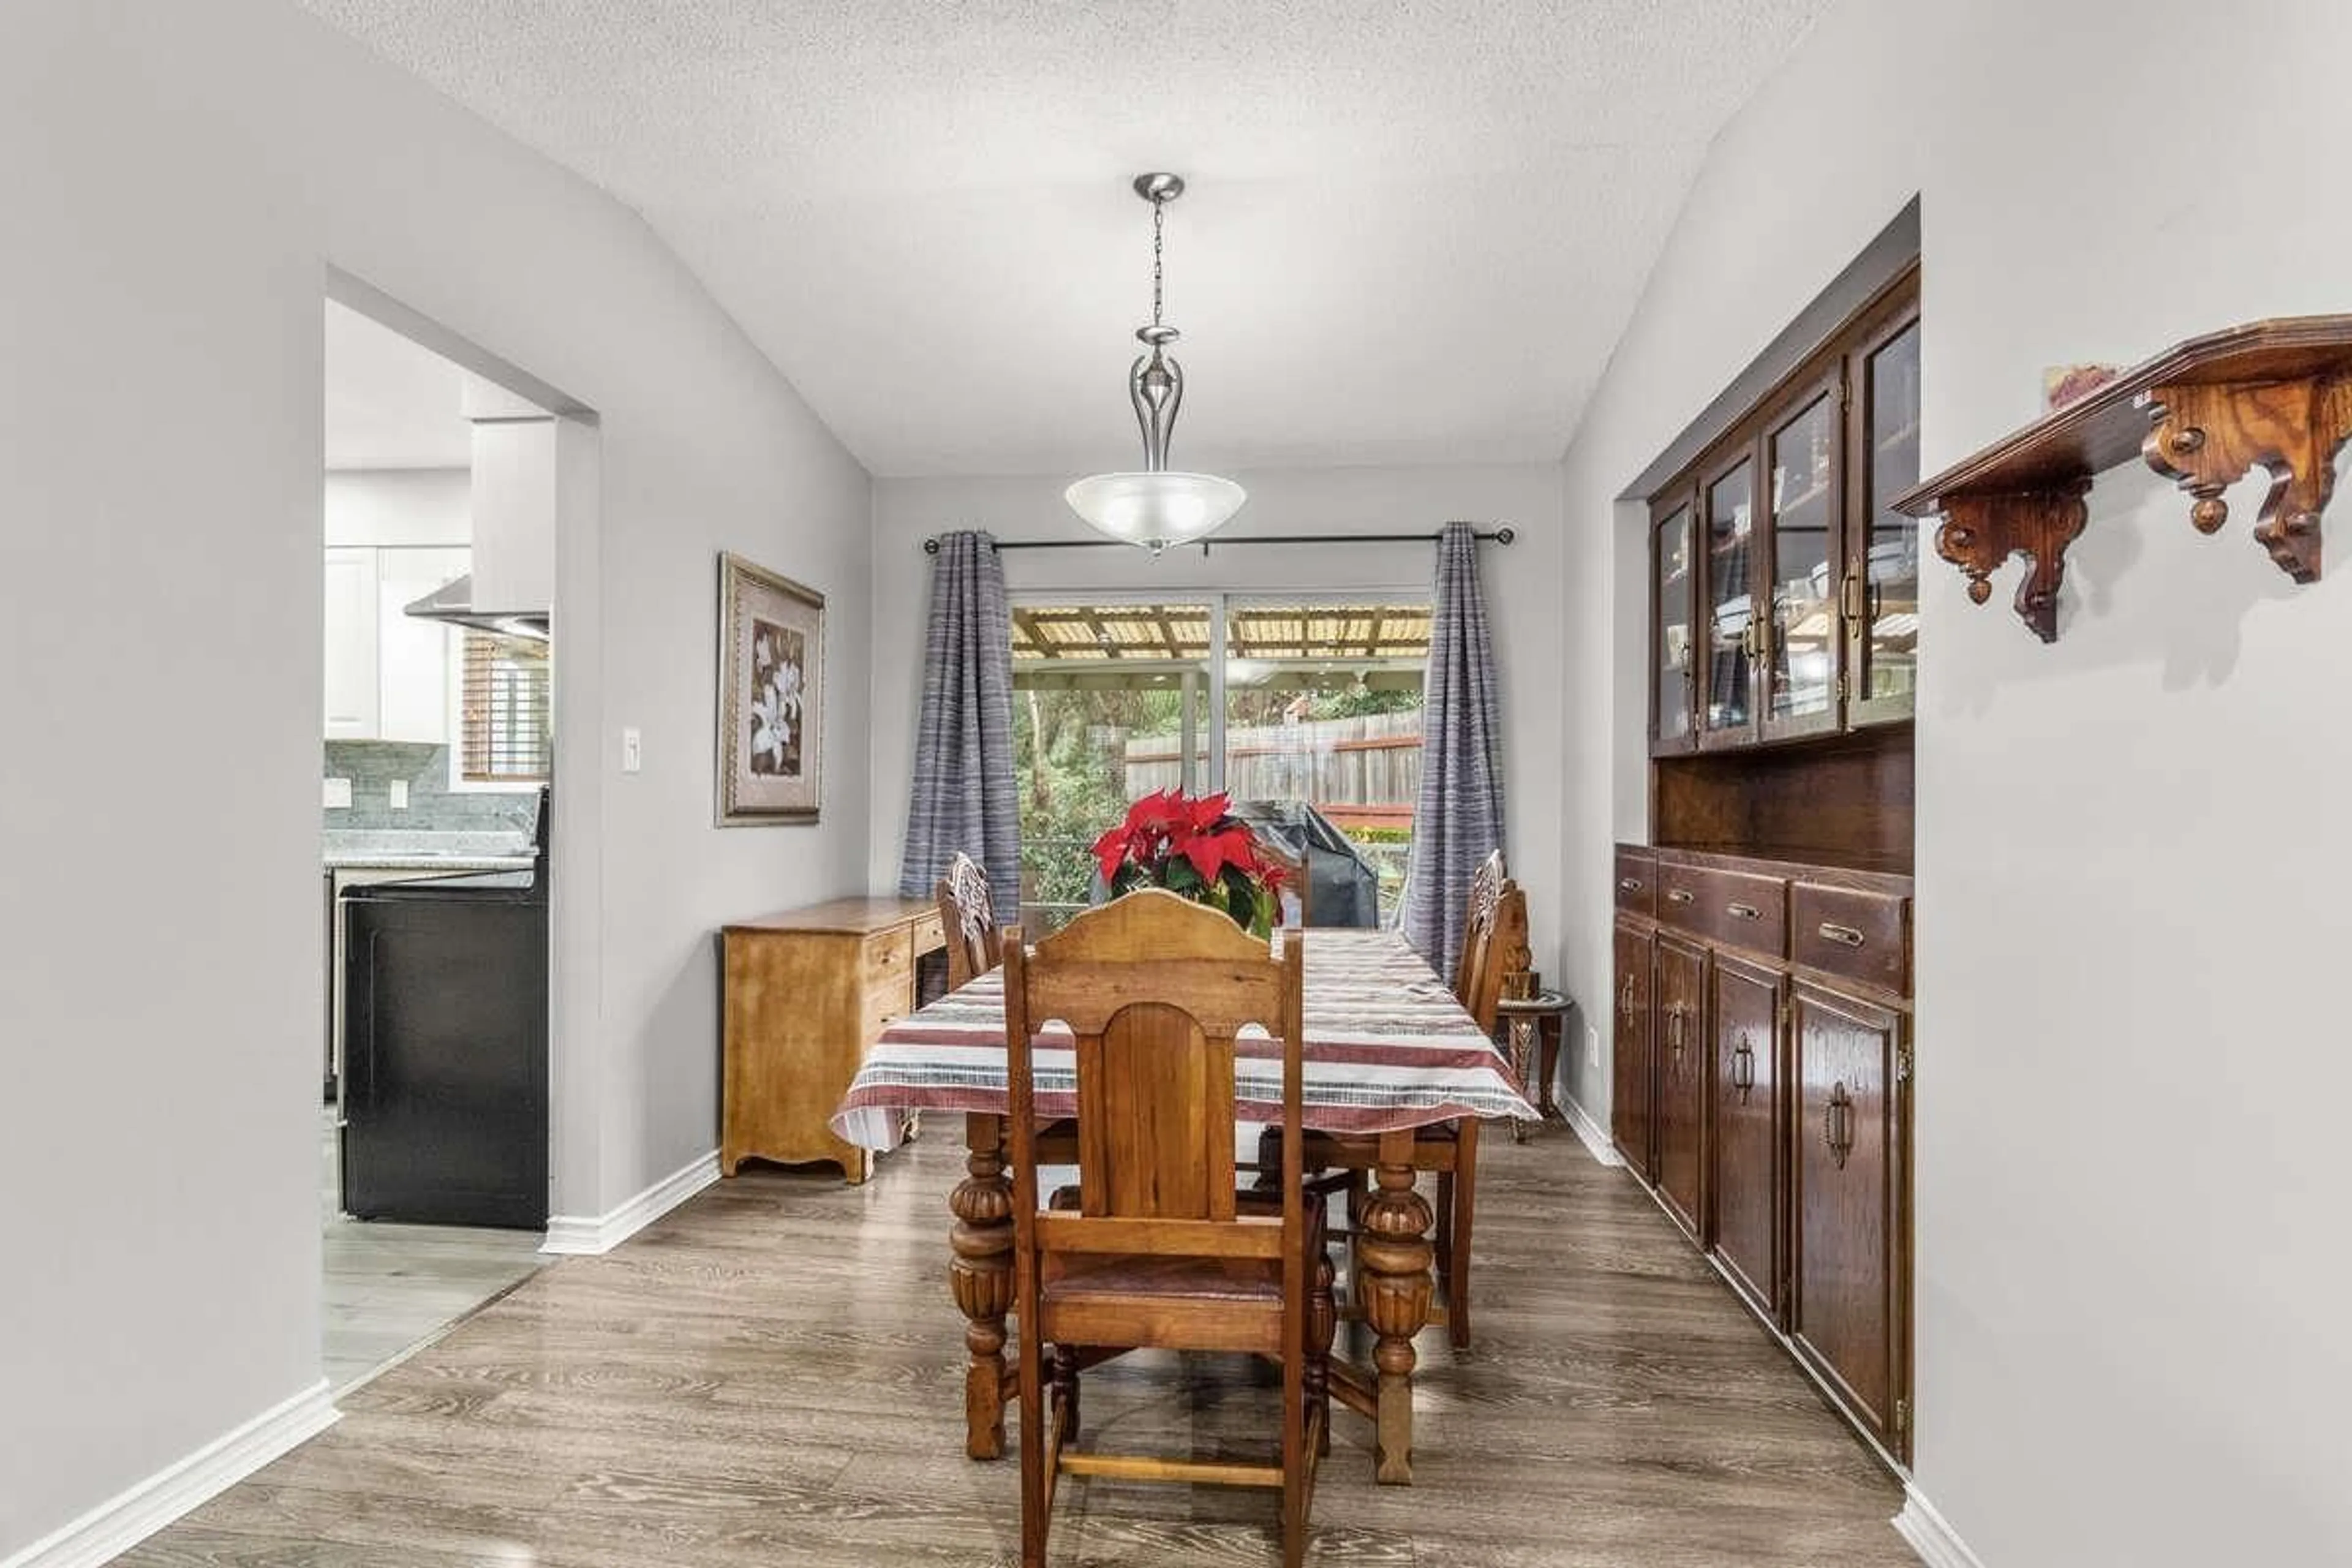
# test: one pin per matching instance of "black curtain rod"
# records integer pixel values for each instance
(1499, 536)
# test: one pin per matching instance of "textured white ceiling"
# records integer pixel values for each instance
(1413, 234)
(391, 403)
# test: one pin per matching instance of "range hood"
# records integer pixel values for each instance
(512, 502)
(453, 602)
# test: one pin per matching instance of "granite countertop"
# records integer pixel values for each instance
(405, 849)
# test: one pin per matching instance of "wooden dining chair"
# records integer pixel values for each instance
(1494, 944)
(968, 914)
(1494, 941)
(1486, 884)
(1297, 890)
(1157, 1253)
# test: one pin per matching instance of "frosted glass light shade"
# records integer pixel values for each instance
(1156, 509)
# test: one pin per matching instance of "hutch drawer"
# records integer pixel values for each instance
(1637, 883)
(1851, 932)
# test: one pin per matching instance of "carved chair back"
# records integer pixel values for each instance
(1498, 946)
(1494, 941)
(1295, 891)
(1485, 887)
(968, 912)
(1156, 990)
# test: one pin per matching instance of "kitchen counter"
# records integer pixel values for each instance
(424, 850)
(427, 861)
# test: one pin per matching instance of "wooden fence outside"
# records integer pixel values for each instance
(1360, 772)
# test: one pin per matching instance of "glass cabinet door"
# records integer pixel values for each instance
(1733, 630)
(1881, 601)
(1676, 577)
(1801, 641)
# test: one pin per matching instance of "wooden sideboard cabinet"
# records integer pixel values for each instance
(807, 992)
(1764, 1064)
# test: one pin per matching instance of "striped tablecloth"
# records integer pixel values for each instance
(1387, 1047)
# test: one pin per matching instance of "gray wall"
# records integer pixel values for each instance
(2131, 1080)
(183, 177)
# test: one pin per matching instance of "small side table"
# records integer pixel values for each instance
(1526, 1019)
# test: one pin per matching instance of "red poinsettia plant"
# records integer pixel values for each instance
(1195, 848)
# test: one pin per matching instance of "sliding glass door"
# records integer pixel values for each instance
(1305, 709)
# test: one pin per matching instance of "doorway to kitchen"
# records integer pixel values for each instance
(442, 492)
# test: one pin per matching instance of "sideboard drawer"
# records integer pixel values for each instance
(1637, 882)
(886, 959)
(930, 934)
(1863, 936)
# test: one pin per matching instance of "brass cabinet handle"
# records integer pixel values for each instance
(1674, 1028)
(1626, 998)
(1679, 895)
(1743, 1067)
(1845, 936)
(1629, 884)
(1745, 911)
(1837, 1124)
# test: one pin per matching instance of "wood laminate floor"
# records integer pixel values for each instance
(773, 1374)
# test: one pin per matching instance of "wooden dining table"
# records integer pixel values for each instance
(1388, 1049)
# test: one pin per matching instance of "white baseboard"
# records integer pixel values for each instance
(576, 1235)
(1931, 1534)
(1596, 1138)
(120, 1523)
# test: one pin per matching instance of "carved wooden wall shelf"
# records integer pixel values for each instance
(2275, 394)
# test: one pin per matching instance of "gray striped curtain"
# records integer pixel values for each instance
(1458, 821)
(963, 790)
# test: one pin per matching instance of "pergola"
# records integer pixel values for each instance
(1346, 637)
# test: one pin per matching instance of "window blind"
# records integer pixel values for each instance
(506, 709)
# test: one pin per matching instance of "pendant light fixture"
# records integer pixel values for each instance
(1157, 507)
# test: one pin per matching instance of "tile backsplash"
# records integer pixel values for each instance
(373, 766)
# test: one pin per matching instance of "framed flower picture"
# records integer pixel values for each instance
(771, 696)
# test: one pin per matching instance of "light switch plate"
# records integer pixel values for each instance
(1592, 1046)
(338, 794)
(398, 791)
(633, 750)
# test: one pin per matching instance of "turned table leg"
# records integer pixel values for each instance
(980, 1274)
(1392, 1254)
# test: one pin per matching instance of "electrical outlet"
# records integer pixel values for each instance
(339, 795)
(633, 750)
(398, 792)
(1592, 1046)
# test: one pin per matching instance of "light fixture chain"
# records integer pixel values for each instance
(1158, 219)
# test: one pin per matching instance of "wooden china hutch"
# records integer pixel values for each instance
(1764, 1033)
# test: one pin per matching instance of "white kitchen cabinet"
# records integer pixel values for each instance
(353, 704)
(388, 674)
(413, 668)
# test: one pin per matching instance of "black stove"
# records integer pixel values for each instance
(444, 1047)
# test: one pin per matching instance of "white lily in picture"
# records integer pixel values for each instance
(788, 687)
(771, 722)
